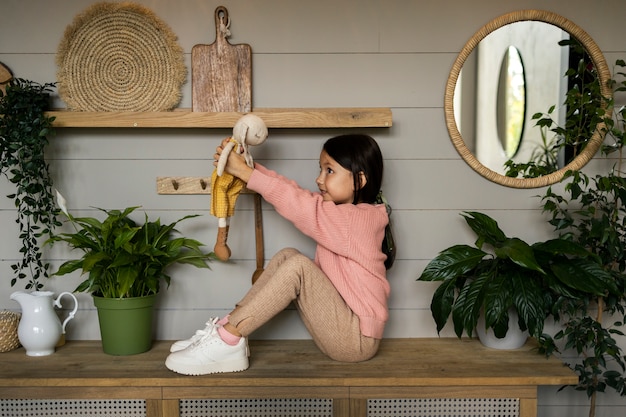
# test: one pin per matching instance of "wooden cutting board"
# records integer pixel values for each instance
(221, 73)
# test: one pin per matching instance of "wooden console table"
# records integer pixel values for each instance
(404, 368)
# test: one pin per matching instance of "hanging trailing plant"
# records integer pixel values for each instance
(591, 211)
(24, 132)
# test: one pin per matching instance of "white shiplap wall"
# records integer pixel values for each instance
(323, 53)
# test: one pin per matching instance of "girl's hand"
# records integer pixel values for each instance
(235, 165)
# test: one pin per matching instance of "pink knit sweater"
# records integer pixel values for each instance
(349, 239)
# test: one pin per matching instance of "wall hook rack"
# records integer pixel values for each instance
(186, 186)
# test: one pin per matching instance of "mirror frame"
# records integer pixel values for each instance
(604, 76)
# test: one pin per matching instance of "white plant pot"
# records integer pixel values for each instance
(514, 338)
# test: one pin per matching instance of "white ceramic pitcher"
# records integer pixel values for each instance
(40, 328)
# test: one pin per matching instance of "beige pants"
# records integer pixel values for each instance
(292, 277)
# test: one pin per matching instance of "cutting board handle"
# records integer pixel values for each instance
(222, 22)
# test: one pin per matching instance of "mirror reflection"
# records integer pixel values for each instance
(544, 69)
(511, 102)
(514, 70)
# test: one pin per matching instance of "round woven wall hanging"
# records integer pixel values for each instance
(120, 57)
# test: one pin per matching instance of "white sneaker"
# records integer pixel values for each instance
(209, 355)
(183, 344)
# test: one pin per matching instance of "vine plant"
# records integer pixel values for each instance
(591, 210)
(24, 132)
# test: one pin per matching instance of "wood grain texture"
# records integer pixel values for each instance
(348, 117)
(187, 185)
(295, 363)
(221, 73)
(403, 368)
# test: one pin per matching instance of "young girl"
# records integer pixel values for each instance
(342, 294)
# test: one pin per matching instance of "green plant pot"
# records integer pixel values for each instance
(125, 324)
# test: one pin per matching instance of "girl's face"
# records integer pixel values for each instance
(335, 182)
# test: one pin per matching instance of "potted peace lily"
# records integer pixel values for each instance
(125, 262)
(502, 276)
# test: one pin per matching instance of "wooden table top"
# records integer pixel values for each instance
(415, 362)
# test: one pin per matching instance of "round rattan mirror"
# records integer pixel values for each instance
(597, 60)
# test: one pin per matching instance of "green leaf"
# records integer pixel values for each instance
(452, 262)
(529, 302)
(497, 302)
(583, 275)
(125, 278)
(555, 247)
(69, 267)
(441, 304)
(519, 252)
(485, 227)
(124, 236)
(469, 303)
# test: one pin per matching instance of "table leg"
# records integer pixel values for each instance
(528, 407)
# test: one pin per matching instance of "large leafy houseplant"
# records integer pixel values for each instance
(500, 273)
(24, 132)
(124, 259)
(591, 211)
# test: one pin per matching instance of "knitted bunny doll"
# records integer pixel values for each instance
(250, 130)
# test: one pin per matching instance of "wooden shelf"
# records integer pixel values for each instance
(185, 118)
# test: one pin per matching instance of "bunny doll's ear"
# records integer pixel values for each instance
(244, 135)
(221, 163)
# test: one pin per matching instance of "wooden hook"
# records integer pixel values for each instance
(175, 184)
(203, 183)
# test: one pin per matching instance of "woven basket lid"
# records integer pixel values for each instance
(120, 57)
(9, 322)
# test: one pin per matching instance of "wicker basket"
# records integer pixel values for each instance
(120, 57)
(8, 330)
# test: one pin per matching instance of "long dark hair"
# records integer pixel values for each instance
(358, 154)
